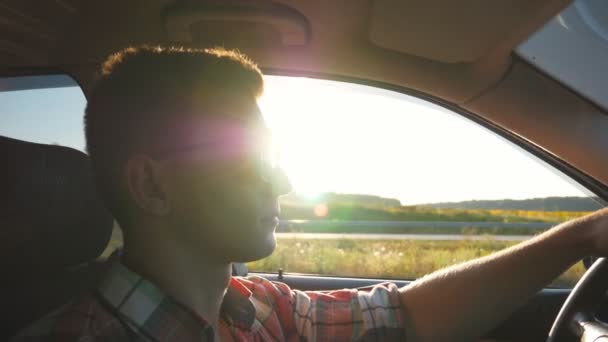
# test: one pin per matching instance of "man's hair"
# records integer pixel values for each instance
(143, 89)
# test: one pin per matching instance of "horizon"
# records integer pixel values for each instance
(320, 196)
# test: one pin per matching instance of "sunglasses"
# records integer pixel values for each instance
(243, 153)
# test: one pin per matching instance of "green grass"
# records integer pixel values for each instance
(388, 259)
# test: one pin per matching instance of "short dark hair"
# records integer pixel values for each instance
(140, 89)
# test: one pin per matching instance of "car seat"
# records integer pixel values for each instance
(53, 228)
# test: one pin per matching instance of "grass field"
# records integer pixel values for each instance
(389, 259)
(399, 259)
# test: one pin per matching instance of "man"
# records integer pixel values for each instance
(177, 143)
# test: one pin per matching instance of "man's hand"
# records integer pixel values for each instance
(465, 301)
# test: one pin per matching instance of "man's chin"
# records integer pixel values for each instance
(260, 250)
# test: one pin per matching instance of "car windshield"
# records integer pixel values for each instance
(573, 48)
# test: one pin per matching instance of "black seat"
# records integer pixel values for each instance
(53, 228)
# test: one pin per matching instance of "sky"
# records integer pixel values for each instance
(345, 138)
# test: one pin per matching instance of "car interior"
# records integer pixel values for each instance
(457, 54)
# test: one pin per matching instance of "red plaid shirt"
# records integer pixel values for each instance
(127, 307)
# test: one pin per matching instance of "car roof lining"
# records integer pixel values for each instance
(72, 33)
(341, 39)
(563, 123)
(456, 31)
(35, 82)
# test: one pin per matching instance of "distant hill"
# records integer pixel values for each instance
(349, 207)
(343, 199)
(544, 204)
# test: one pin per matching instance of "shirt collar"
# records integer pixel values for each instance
(146, 309)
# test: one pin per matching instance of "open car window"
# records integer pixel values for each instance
(394, 187)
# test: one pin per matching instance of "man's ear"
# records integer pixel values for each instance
(145, 185)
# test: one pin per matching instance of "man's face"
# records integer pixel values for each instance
(223, 191)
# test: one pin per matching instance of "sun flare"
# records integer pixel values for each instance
(347, 138)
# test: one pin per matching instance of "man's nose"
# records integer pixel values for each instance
(280, 183)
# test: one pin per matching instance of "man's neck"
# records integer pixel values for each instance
(194, 281)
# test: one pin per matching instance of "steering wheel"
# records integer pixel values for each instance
(577, 317)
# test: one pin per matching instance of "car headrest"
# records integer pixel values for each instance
(50, 213)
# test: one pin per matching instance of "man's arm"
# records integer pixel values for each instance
(465, 301)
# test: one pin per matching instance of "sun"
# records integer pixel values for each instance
(323, 137)
(317, 141)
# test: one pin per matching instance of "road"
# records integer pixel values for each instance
(457, 226)
(436, 237)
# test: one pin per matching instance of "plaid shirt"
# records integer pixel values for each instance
(127, 307)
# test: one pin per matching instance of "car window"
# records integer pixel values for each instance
(44, 109)
(391, 186)
(386, 185)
